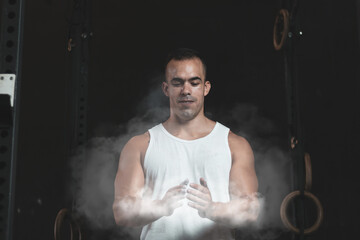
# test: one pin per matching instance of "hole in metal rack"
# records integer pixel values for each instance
(11, 15)
(10, 44)
(3, 149)
(10, 29)
(4, 133)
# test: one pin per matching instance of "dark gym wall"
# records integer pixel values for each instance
(329, 75)
(138, 39)
(129, 44)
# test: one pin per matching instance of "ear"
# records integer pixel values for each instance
(207, 88)
(165, 88)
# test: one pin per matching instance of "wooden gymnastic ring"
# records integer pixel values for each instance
(279, 43)
(308, 172)
(70, 45)
(74, 227)
(285, 220)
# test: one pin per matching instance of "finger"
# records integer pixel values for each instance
(176, 188)
(197, 200)
(185, 182)
(177, 198)
(199, 188)
(198, 194)
(200, 209)
(175, 192)
(196, 206)
(174, 201)
(203, 182)
(180, 193)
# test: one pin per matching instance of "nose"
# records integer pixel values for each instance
(186, 90)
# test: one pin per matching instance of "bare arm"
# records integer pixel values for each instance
(243, 206)
(130, 208)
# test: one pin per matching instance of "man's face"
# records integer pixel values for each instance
(186, 87)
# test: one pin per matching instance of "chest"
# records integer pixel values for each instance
(187, 160)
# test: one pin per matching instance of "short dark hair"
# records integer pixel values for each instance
(185, 54)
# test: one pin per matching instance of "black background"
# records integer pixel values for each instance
(131, 40)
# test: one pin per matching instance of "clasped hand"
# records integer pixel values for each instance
(200, 198)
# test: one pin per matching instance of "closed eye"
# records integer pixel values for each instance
(177, 82)
(195, 81)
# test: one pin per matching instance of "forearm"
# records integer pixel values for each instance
(235, 213)
(134, 212)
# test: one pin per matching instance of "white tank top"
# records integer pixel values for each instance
(168, 162)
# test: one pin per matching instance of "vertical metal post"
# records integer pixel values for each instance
(294, 121)
(79, 55)
(10, 70)
(78, 48)
(286, 27)
(358, 18)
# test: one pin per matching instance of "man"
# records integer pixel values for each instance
(189, 177)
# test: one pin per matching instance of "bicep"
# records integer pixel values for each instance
(243, 179)
(129, 179)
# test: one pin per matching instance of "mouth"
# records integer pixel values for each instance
(186, 102)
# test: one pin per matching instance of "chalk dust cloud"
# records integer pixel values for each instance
(93, 172)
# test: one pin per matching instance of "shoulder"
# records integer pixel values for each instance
(140, 139)
(239, 146)
(137, 143)
(134, 151)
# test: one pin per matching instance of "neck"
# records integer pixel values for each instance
(175, 120)
(189, 129)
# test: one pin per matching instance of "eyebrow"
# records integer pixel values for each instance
(182, 80)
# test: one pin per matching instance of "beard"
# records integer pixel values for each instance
(187, 113)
